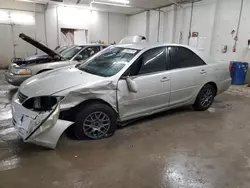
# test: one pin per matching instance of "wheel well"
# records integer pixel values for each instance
(71, 113)
(214, 85)
(43, 71)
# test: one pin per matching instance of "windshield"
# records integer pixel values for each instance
(109, 62)
(71, 52)
(61, 49)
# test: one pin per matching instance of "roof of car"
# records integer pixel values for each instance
(144, 45)
(86, 45)
(148, 45)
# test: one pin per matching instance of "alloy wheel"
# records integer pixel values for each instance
(96, 125)
(207, 97)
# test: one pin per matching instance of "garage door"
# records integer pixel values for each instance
(22, 48)
(6, 45)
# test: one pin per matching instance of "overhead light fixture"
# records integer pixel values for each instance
(35, 1)
(110, 2)
(119, 1)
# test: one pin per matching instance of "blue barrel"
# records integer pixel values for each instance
(238, 72)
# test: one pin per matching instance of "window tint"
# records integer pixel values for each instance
(182, 57)
(153, 60)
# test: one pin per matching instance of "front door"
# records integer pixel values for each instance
(153, 84)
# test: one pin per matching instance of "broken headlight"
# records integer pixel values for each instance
(42, 103)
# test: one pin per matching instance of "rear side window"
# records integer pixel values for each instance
(182, 58)
(153, 60)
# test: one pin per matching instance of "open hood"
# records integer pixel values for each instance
(41, 47)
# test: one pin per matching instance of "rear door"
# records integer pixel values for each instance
(188, 73)
(150, 74)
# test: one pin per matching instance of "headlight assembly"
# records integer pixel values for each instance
(21, 71)
(42, 103)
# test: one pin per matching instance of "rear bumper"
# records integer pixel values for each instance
(40, 128)
(15, 80)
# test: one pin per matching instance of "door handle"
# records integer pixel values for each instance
(165, 79)
(203, 71)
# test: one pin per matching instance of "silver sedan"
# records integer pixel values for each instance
(119, 83)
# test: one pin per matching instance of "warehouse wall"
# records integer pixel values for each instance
(18, 5)
(137, 24)
(202, 22)
(118, 24)
(51, 27)
(48, 21)
(16, 17)
(227, 14)
(213, 19)
(104, 26)
(147, 24)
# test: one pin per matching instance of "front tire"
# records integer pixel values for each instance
(205, 98)
(95, 121)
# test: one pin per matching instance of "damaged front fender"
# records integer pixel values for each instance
(41, 128)
(104, 90)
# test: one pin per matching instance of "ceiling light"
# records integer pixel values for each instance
(112, 4)
(35, 1)
(119, 1)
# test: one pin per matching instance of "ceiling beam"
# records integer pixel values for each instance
(177, 4)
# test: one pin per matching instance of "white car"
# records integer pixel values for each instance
(120, 83)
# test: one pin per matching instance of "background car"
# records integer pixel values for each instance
(22, 69)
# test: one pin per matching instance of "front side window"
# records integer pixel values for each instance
(182, 58)
(70, 53)
(154, 60)
(109, 62)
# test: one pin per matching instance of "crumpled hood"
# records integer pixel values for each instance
(54, 81)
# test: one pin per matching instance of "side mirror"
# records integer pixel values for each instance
(131, 85)
(79, 58)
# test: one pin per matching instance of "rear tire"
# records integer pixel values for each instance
(95, 121)
(205, 98)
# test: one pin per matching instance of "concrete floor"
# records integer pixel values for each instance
(174, 149)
